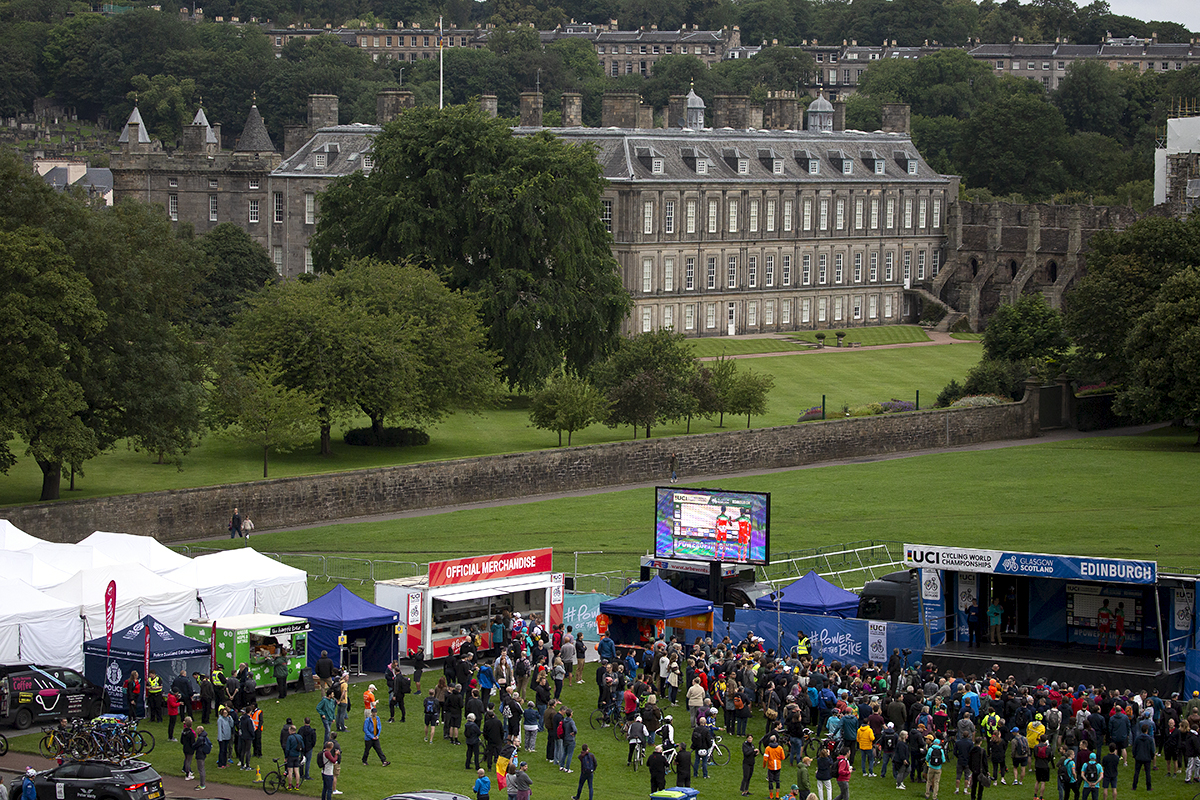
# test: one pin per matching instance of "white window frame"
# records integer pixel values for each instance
(787, 216)
(921, 216)
(647, 274)
(212, 208)
(770, 220)
(822, 309)
(277, 201)
(890, 221)
(689, 274)
(807, 214)
(712, 272)
(857, 307)
(786, 267)
(823, 214)
(838, 308)
(858, 268)
(310, 208)
(839, 267)
(839, 214)
(768, 312)
(806, 269)
(752, 271)
(669, 274)
(732, 215)
(252, 213)
(308, 261)
(731, 270)
(689, 317)
(691, 216)
(668, 216)
(806, 311)
(648, 217)
(873, 276)
(752, 314)
(908, 213)
(874, 213)
(822, 268)
(769, 270)
(173, 207)
(858, 213)
(668, 313)
(754, 216)
(785, 312)
(889, 266)
(937, 213)
(710, 315)
(873, 307)
(920, 265)
(713, 211)
(647, 319)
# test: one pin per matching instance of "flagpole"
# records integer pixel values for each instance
(441, 72)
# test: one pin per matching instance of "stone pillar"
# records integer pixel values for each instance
(645, 117)
(896, 118)
(531, 109)
(572, 110)
(779, 112)
(755, 117)
(390, 103)
(1033, 403)
(676, 111)
(839, 115)
(490, 105)
(294, 137)
(322, 111)
(620, 110)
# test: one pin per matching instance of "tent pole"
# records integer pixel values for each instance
(1162, 645)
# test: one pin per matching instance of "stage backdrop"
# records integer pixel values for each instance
(851, 641)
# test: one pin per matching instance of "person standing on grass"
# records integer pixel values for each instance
(683, 766)
(472, 733)
(656, 765)
(843, 769)
(587, 769)
(225, 724)
(431, 716)
(327, 711)
(245, 729)
(935, 758)
(522, 783)
(1109, 765)
(401, 686)
(187, 739)
(901, 759)
(326, 761)
(309, 735)
(1143, 752)
(824, 774)
(293, 754)
(567, 737)
(371, 731)
(482, 787)
(203, 748)
(173, 706)
(1091, 774)
(773, 760)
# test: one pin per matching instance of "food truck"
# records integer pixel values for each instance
(440, 609)
(255, 639)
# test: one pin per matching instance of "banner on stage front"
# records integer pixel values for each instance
(1031, 565)
(967, 593)
(932, 605)
(877, 641)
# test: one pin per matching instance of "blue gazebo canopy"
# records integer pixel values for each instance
(656, 600)
(341, 611)
(812, 594)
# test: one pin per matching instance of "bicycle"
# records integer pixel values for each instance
(718, 755)
(603, 717)
(639, 756)
(273, 779)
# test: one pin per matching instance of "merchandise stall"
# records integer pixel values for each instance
(439, 609)
(640, 617)
(255, 639)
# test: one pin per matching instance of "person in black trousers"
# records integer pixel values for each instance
(683, 766)
(749, 756)
(472, 733)
(656, 764)
(401, 686)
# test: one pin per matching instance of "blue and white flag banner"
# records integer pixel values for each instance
(1033, 565)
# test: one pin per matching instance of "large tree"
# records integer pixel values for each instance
(1163, 351)
(514, 219)
(566, 403)
(1025, 330)
(235, 268)
(646, 380)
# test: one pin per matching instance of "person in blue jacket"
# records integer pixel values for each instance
(607, 648)
(28, 790)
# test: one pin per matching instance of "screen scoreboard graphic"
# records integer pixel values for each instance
(712, 525)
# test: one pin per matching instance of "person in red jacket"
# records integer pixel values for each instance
(173, 706)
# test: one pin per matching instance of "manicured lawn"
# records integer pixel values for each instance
(967, 337)
(844, 376)
(720, 345)
(1133, 496)
(886, 334)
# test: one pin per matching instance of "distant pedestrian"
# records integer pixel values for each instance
(187, 738)
(235, 524)
(674, 467)
(371, 730)
(202, 748)
(587, 769)
(326, 762)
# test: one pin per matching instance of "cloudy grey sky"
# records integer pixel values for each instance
(1184, 12)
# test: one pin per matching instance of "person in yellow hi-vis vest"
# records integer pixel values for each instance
(154, 689)
(802, 645)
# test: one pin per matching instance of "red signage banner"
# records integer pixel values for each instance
(485, 568)
(110, 614)
(145, 665)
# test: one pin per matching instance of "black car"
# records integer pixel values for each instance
(431, 794)
(96, 780)
(32, 693)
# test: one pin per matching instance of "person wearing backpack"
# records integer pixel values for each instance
(203, 747)
(431, 716)
(1091, 774)
(1068, 776)
(935, 759)
(587, 767)
(887, 747)
(1043, 761)
(842, 770)
(1020, 756)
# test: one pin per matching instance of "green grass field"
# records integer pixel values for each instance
(845, 377)
(1130, 496)
(719, 345)
(886, 334)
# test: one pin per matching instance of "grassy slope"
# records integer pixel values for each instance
(844, 376)
(1057, 497)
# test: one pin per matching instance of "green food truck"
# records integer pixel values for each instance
(256, 640)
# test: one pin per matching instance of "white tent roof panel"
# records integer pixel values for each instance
(144, 550)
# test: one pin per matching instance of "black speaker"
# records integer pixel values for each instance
(729, 612)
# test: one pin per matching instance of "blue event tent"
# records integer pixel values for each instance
(656, 600)
(170, 652)
(341, 611)
(812, 594)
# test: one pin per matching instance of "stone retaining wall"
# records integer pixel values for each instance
(194, 513)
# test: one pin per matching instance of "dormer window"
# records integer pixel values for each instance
(912, 166)
(879, 166)
(173, 183)
(842, 162)
(701, 166)
(777, 166)
(743, 166)
(808, 161)
(319, 160)
(906, 160)
(656, 166)
(814, 167)
(847, 166)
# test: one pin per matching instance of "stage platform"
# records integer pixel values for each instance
(1029, 661)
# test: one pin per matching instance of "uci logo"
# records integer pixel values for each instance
(924, 557)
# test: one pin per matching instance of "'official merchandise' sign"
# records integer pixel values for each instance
(1033, 565)
(485, 568)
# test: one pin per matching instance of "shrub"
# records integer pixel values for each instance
(1096, 388)
(980, 400)
(820, 336)
(810, 414)
(962, 326)
(869, 410)
(953, 391)
(895, 406)
(932, 313)
(997, 376)
(391, 437)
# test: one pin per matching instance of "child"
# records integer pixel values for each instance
(483, 785)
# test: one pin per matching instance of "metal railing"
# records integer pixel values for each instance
(611, 583)
(850, 565)
(330, 568)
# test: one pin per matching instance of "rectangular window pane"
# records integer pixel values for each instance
(805, 269)
(822, 268)
(887, 306)
(770, 270)
(752, 271)
(733, 212)
(807, 214)
(769, 312)
(891, 213)
(669, 317)
(606, 214)
(647, 273)
(873, 306)
(668, 274)
(824, 215)
(648, 217)
(752, 313)
(908, 265)
(308, 262)
(754, 216)
(937, 213)
(212, 208)
(858, 307)
(806, 310)
(277, 257)
(646, 320)
(173, 206)
(858, 267)
(310, 208)
(838, 267)
(669, 216)
(933, 263)
(731, 273)
(278, 207)
(712, 272)
(712, 216)
(822, 309)
(920, 265)
(787, 270)
(689, 317)
(889, 266)
(770, 216)
(253, 210)
(710, 315)
(837, 309)
(908, 218)
(840, 215)
(691, 216)
(874, 267)
(787, 216)
(921, 213)
(874, 214)
(689, 274)
(785, 312)
(858, 214)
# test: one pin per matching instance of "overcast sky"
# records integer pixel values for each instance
(1185, 12)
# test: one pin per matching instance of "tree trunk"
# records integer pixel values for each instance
(51, 479)
(266, 449)
(560, 437)
(160, 456)
(568, 438)
(323, 417)
(721, 420)
(647, 430)
(689, 424)
(72, 484)
(747, 422)
(377, 428)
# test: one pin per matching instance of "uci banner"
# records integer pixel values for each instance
(1033, 565)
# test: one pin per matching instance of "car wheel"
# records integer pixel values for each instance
(24, 719)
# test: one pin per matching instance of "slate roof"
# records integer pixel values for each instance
(143, 134)
(343, 146)
(617, 152)
(200, 119)
(254, 138)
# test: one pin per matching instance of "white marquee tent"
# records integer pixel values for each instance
(13, 538)
(242, 581)
(25, 566)
(139, 592)
(70, 558)
(130, 548)
(35, 627)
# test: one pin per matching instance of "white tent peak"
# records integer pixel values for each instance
(130, 548)
(13, 538)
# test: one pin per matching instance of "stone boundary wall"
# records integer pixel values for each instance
(194, 513)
